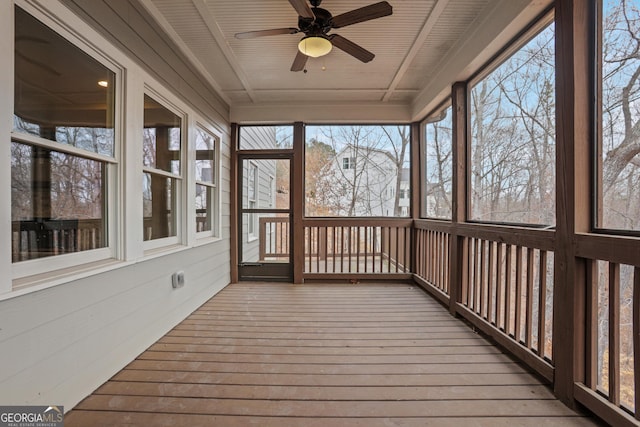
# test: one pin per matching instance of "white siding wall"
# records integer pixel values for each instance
(373, 174)
(66, 334)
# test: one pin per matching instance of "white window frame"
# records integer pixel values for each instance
(349, 162)
(212, 186)
(49, 266)
(179, 202)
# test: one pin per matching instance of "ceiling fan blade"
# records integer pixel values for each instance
(300, 62)
(303, 9)
(373, 11)
(351, 48)
(262, 33)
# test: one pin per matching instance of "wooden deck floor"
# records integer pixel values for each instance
(322, 355)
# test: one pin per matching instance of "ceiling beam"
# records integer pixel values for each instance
(215, 31)
(168, 29)
(429, 23)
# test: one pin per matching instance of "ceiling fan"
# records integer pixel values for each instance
(315, 23)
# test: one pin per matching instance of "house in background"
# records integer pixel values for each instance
(363, 181)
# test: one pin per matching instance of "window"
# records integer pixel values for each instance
(619, 103)
(161, 165)
(348, 163)
(618, 195)
(62, 149)
(356, 170)
(438, 165)
(206, 180)
(512, 159)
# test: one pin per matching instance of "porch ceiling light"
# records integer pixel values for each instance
(315, 46)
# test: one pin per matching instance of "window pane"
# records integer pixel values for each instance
(162, 137)
(57, 203)
(159, 195)
(205, 156)
(438, 145)
(265, 184)
(266, 137)
(357, 171)
(620, 103)
(513, 138)
(61, 93)
(204, 207)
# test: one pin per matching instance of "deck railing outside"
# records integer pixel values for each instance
(343, 247)
(362, 246)
(37, 238)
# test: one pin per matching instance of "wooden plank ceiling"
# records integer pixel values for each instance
(323, 355)
(414, 48)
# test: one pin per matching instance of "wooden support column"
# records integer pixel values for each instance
(297, 205)
(233, 200)
(459, 191)
(416, 186)
(574, 92)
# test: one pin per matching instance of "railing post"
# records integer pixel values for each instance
(459, 107)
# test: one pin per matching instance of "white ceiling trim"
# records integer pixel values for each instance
(429, 23)
(166, 27)
(215, 31)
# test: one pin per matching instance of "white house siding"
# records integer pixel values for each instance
(63, 336)
(376, 182)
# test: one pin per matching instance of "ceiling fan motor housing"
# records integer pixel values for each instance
(318, 26)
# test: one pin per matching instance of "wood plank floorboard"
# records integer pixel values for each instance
(273, 354)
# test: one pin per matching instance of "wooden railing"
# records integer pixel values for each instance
(343, 248)
(350, 248)
(432, 241)
(612, 327)
(505, 277)
(509, 286)
(40, 238)
(506, 289)
(275, 238)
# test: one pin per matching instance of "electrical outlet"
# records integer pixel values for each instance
(177, 279)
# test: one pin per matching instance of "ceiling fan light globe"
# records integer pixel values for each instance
(315, 46)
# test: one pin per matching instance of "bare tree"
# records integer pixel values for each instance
(621, 114)
(513, 137)
(439, 166)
